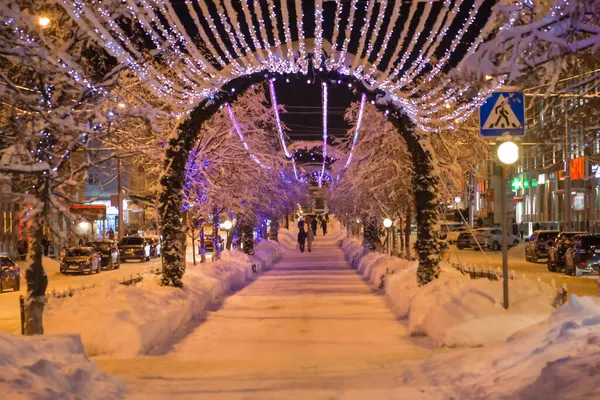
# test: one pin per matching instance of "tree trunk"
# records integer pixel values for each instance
(37, 280)
(170, 205)
(371, 236)
(247, 236)
(274, 232)
(287, 221)
(216, 237)
(193, 231)
(201, 239)
(407, 231)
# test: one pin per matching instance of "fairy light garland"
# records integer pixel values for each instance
(363, 100)
(238, 130)
(195, 74)
(279, 127)
(324, 99)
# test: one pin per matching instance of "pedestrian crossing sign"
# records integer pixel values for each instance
(503, 113)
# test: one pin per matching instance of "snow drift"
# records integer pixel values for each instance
(454, 310)
(52, 367)
(127, 321)
(555, 359)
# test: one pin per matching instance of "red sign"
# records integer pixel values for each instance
(577, 168)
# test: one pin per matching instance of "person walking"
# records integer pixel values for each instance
(314, 225)
(324, 226)
(310, 236)
(301, 239)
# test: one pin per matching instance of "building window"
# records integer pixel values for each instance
(92, 178)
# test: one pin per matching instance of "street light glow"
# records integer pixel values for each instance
(387, 222)
(227, 225)
(508, 153)
(121, 105)
(43, 21)
(457, 199)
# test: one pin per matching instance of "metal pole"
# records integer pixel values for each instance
(120, 189)
(567, 169)
(471, 200)
(503, 216)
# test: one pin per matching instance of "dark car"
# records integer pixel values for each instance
(209, 244)
(464, 240)
(538, 245)
(10, 275)
(109, 253)
(556, 253)
(134, 248)
(583, 258)
(81, 260)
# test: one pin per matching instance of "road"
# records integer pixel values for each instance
(585, 286)
(310, 328)
(10, 317)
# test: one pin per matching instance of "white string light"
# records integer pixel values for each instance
(324, 95)
(363, 100)
(279, 127)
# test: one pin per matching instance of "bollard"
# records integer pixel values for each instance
(22, 307)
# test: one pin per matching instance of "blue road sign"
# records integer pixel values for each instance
(503, 112)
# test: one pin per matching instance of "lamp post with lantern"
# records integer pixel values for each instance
(387, 223)
(508, 154)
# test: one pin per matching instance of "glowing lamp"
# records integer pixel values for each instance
(508, 153)
(457, 199)
(387, 222)
(43, 21)
(227, 225)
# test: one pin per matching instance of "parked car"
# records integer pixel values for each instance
(81, 260)
(109, 253)
(538, 245)
(556, 253)
(10, 274)
(155, 245)
(479, 237)
(464, 240)
(209, 244)
(446, 228)
(452, 236)
(493, 240)
(134, 248)
(583, 258)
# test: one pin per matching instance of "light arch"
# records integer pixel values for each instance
(179, 145)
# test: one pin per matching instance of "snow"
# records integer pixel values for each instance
(52, 367)
(128, 321)
(453, 310)
(554, 359)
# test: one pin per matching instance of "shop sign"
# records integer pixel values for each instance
(577, 170)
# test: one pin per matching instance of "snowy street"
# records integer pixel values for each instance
(581, 286)
(309, 326)
(10, 319)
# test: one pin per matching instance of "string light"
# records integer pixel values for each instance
(363, 100)
(279, 127)
(238, 130)
(324, 99)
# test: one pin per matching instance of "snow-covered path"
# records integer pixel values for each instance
(308, 328)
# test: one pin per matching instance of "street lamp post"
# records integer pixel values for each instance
(508, 154)
(387, 223)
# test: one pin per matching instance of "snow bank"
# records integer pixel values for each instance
(555, 359)
(454, 310)
(127, 321)
(52, 367)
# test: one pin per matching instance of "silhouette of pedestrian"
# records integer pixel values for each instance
(301, 239)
